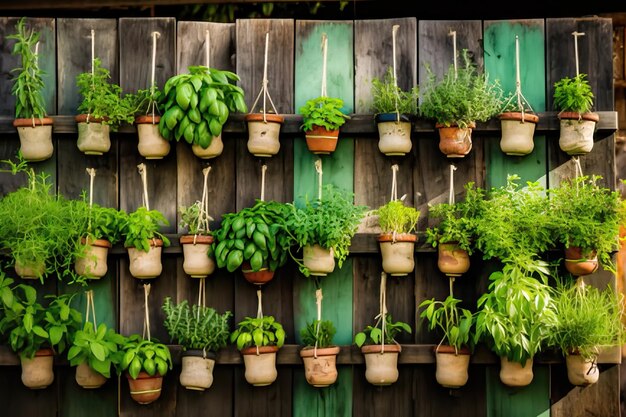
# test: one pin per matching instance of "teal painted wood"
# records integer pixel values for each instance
(530, 401)
(335, 400)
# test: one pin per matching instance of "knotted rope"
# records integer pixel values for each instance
(394, 31)
(324, 59)
(146, 319)
(263, 169)
(451, 194)
(207, 48)
(318, 303)
(320, 174)
(264, 91)
(453, 34)
(155, 36)
(576, 34)
(92, 175)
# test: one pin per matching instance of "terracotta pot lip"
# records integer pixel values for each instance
(258, 117)
(189, 239)
(82, 118)
(572, 115)
(318, 128)
(200, 353)
(515, 115)
(252, 350)
(143, 375)
(155, 242)
(470, 125)
(39, 121)
(447, 349)
(309, 351)
(391, 117)
(147, 119)
(400, 237)
(44, 352)
(391, 348)
(102, 243)
(572, 251)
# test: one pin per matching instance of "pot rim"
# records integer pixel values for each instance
(39, 121)
(82, 118)
(447, 349)
(143, 375)
(389, 348)
(154, 242)
(252, 350)
(147, 119)
(392, 117)
(310, 351)
(572, 115)
(269, 117)
(102, 243)
(205, 354)
(44, 352)
(516, 115)
(189, 239)
(399, 237)
(470, 125)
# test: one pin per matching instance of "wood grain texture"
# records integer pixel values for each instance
(75, 400)
(335, 400)
(191, 43)
(272, 400)
(215, 401)
(165, 406)
(20, 401)
(532, 400)
(371, 401)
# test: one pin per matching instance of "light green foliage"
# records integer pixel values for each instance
(323, 111)
(318, 333)
(389, 98)
(460, 97)
(145, 355)
(455, 322)
(142, 225)
(573, 94)
(256, 235)
(195, 219)
(99, 348)
(395, 217)
(27, 83)
(373, 335)
(259, 331)
(196, 327)
(196, 105)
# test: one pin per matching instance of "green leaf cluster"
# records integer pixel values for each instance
(318, 333)
(395, 217)
(373, 335)
(573, 94)
(195, 219)
(259, 331)
(98, 347)
(196, 327)
(142, 225)
(389, 98)
(196, 105)
(454, 321)
(149, 356)
(323, 111)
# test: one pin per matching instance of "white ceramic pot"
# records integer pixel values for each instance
(581, 372)
(576, 132)
(196, 261)
(197, 370)
(35, 138)
(318, 260)
(38, 372)
(213, 150)
(320, 365)
(394, 136)
(146, 265)
(381, 365)
(398, 253)
(151, 144)
(93, 135)
(263, 134)
(88, 378)
(514, 374)
(260, 365)
(452, 366)
(517, 133)
(93, 263)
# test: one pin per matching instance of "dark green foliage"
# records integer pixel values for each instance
(259, 331)
(144, 355)
(573, 94)
(99, 348)
(318, 333)
(142, 225)
(323, 111)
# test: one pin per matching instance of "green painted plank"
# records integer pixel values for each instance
(335, 400)
(500, 64)
(530, 401)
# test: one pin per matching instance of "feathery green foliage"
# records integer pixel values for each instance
(389, 98)
(323, 111)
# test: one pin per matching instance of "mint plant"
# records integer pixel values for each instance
(573, 94)
(323, 111)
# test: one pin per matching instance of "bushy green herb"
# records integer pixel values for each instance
(195, 219)
(389, 98)
(395, 217)
(455, 322)
(145, 355)
(318, 333)
(99, 348)
(573, 94)
(373, 335)
(141, 226)
(323, 111)
(259, 331)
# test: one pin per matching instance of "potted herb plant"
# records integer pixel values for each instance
(201, 331)
(147, 105)
(323, 229)
(394, 109)
(196, 107)
(33, 125)
(258, 339)
(322, 118)
(452, 354)
(197, 241)
(517, 122)
(381, 349)
(319, 354)
(264, 133)
(573, 99)
(458, 100)
(397, 240)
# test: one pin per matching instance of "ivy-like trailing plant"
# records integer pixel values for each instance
(396, 217)
(141, 226)
(323, 111)
(258, 331)
(573, 94)
(373, 335)
(149, 356)
(196, 327)
(455, 322)
(389, 98)
(318, 333)
(197, 105)
(98, 347)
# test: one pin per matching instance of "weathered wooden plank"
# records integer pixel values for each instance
(191, 45)
(335, 400)
(272, 400)
(370, 401)
(532, 400)
(77, 401)
(217, 400)
(20, 401)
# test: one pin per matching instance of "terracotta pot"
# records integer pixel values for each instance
(320, 365)
(151, 144)
(517, 133)
(394, 136)
(146, 265)
(381, 365)
(318, 260)
(88, 378)
(260, 277)
(93, 135)
(398, 253)
(35, 138)
(514, 374)
(321, 141)
(579, 263)
(451, 366)
(196, 261)
(581, 372)
(260, 365)
(38, 372)
(93, 264)
(454, 141)
(197, 370)
(145, 389)
(576, 132)
(263, 134)
(452, 260)
(213, 150)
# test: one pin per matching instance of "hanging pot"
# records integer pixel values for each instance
(93, 135)
(455, 141)
(398, 252)
(320, 365)
(263, 133)
(318, 260)
(145, 389)
(88, 378)
(260, 364)
(213, 150)
(260, 277)
(196, 261)
(321, 141)
(517, 132)
(151, 144)
(381, 365)
(452, 260)
(451, 366)
(580, 263)
(576, 132)
(197, 370)
(31, 270)
(38, 372)
(394, 136)
(580, 371)
(146, 265)
(93, 263)
(35, 138)
(514, 374)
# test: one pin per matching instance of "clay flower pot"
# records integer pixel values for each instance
(260, 277)
(514, 374)
(321, 141)
(213, 150)
(93, 135)
(93, 264)
(581, 372)
(263, 133)
(145, 389)
(398, 252)
(381, 365)
(38, 372)
(196, 262)
(88, 378)
(320, 365)
(451, 366)
(151, 144)
(146, 265)
(579, 263)
(517, 132)
(455, 141)
(197, 370)
(30, 271)
(452, 260)
(260, 364)
(576, 132)
(35, 138)
(394, 136)
(318, 260)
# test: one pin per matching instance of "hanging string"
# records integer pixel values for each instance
(577, 167)
(155, 36)
(201, 295)
(263, 169)
(394, 182)
(324, 55)
(451, 286)
(382, 305)
(146, 319)
(394, 31)
(318, 303)
(576, 34)
(34, 71)
(207, 48)
(92, 176)
(522, 103)
(318, 169)
(144, 179)
(451, 195)
(93, 66)
(453, 34)
(90, 307)
(259, 310)
(264, 91)
(204, 204)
